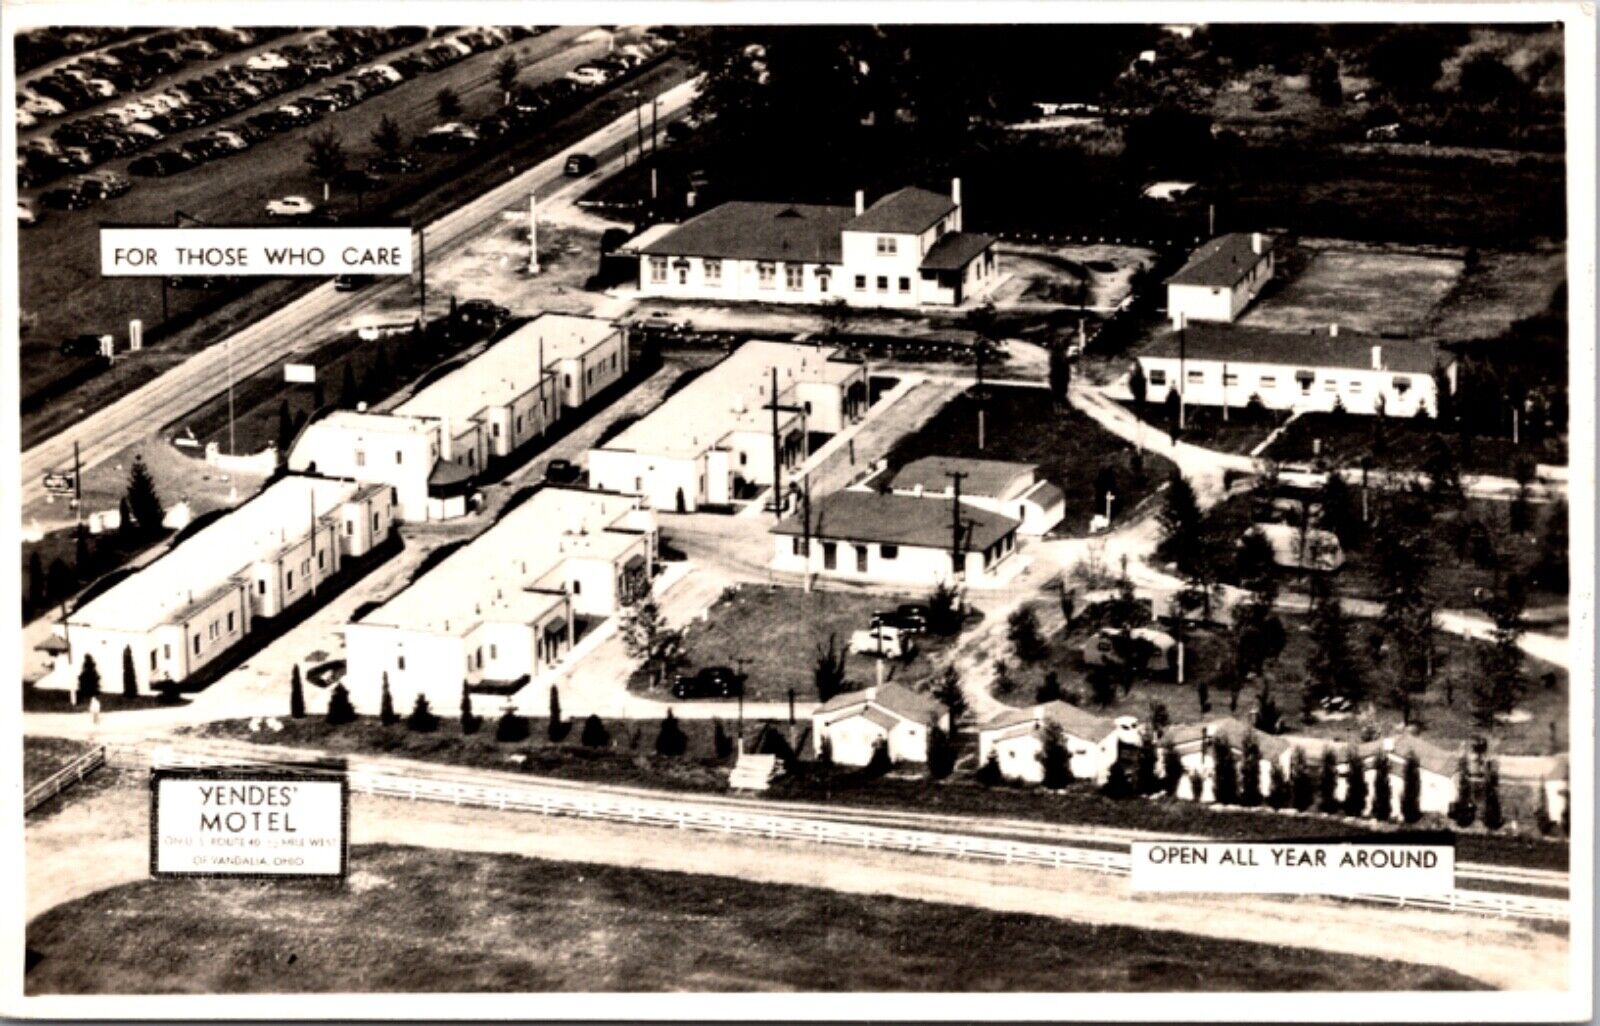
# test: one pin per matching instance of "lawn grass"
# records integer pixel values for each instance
(1243, 430)
(42, 756)
(1022, 425)
(1405, 443)
(775, 635)
(418, 920)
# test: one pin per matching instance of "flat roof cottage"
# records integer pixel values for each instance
(999, 486)
(907, 249)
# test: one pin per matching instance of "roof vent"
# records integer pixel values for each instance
(789, 212)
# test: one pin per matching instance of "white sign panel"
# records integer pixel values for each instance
(300, 373)
(254, 252)
(1398, 870)
(247, 823)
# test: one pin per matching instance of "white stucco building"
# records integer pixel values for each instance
(893, 539)
(908, 249)
(434, 444)
(1221, 278)
(1306, 371)
(854, 723)
(712, 441)
(1010, 489)
(503, 607)
(184, 609)
(1094, 743)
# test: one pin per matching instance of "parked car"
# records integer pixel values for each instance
(290, 206)
(452, 137)
(910, 617)
(882, 640)
(587, 75)
(103, 185)
(351, 282)
(84, 345)
(66, 197)
(482, 313)
(26, 215)
(709, 682)
(580, 164)
(1160, 651)
(562, 472)
(398, 164)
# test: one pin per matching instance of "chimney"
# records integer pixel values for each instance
(955, 191)
(861, 202)
(1257, 243)
(1377, 358)
(1333, 330)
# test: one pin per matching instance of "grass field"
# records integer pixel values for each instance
(775, 635)
(1363, 289)
(1405, 445)
(417, 920)
(1021, 424)
(42, 756)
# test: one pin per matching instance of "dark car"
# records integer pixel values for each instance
(351, 282)
(678, 131)
(709, 682)
(910, 617)
(562, 472)
(83, 345)
(105, 185)
(482, 313)
(398, 164)
(66, 198)
(356, 180)
(580, 164)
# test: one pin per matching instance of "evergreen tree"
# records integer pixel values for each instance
(1050, 689)
(1182, 525)
(285, 428)
(340, 711)
(1463, 810)
(1541, 814)
(511, 728)
(81, 557)
(989, 773)
(143, 499)
(721, 743)
(1331, 668)
(828, 671)
(1054, 759)
(1224, 773)
(1145, 780)
(1171, 767)
(422, 719)
(38, 585)
(1328, 783)
(1117, 784)
(1060, 377)
(448, 103)
(1302, 785)
(1493, 815)
(1022, 629)
(62, 581)
(1502, 682)
(88, 679)
(595, 734)
(1355, 784)
(1197, 785)
(879, 764)
(470, 721)
(556, 728)
(941, 752)
(670, 739)
(349, 393)
(1325, 82)
(130, 677)
(1250, 773)
(1411, 790)
(126, 528)
(1278, 796)
(386, 713)
(1382, 789)
(297, 694)
(1138, 387)
(947, 692)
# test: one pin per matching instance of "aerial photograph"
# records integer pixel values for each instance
(1043, 507)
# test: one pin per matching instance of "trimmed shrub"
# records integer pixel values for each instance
(671, 741)
(1355, 784)
(511, 728)
(1411, 790)
(470, 721)
(340, 711)
(595, 734)
(297, 695)
(386, 713)
(422, 719)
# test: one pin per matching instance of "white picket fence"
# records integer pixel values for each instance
(687, 814)
(61, 779)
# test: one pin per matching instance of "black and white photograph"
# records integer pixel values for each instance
(800, 511)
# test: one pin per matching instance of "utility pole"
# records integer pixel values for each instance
(311, 494)
(1224, 391)
(956, 567)
(77, 486)
(655, 111)
(229, 345)
(422, 266)
(1183, 355)
(777, 455)
(983, 396)
(533, 233)
(805, 528)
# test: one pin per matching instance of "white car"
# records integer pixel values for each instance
(26, 214)
(267, 61)
(290, 206)
(889, 642)
(588, 76)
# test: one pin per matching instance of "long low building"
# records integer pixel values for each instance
(504, 607)
(907, 249)
(1306, 371)
(893, 539)
(1010, 489)
(432, 446)
(183, 610)
(712, 442)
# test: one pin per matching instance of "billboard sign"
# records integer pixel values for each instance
(249, 822)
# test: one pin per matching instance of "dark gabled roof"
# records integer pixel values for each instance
(1071, 719)
(1224, 261)
(740, 230)
(448, 472)
(955, 250)
(905, 211)
(987, 478)
(1346, 351)
(898, 520)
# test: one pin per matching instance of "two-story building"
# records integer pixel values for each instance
(184, 609)
(1307, 371)
(908, 249)
(1221, 278)
(505, 606)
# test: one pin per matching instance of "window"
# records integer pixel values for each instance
(658, 269)
(349, 528)
(1158, 377)
(399, 457)
(889, 551)
(905, 284)
(713, 272)
(494, 430)
(1402, 384)
(152, 659)
(883, 283)
(888, 245)
(305, 567)
(212, 631)
(861, 559)
(793, 277)
(577, 587)
(375, 522)
(361, 458)
(830, 556)
(1269, 381)
(400, 662)
(166, 651)
(494, 651)
(861, 283)
(683, 279)
(1330, 385)
(824, 281)
(321, 560)
(230, 623)
(568, 379)
(800, 547)
(1305, 379)
(1230, 378)
(1355, 387)
(744, 458)
(261, 587)
(1197, 377)
(519, 422)
(289, 581)
(765, 273)
(197, 644)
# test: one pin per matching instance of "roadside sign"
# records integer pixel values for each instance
(59, 484)
(300, 373)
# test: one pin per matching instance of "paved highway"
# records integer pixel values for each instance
(110, 429)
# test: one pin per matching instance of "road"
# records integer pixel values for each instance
(108, 430)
